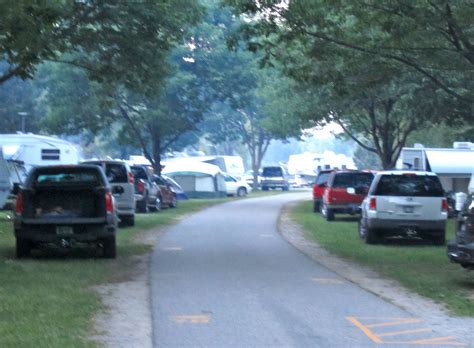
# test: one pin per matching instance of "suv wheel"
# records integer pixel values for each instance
(142, 206)
(109, 247)
(264, 188)
(316, 206)
(157, 204)
(328, 213)
(23, 247)
(439, 239)
(370, 235)
(128, 220)
(285, 188)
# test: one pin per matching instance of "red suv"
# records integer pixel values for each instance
(344, 192)
(318, 188)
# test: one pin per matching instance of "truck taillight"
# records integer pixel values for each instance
(444, 205)
(19, 203)
(130, 178)
(109, 204)
(372, 204)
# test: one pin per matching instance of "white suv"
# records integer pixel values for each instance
(404, 203)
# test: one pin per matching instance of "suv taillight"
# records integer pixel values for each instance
(19, 203)
(130, 178)
(444, 205)
(372, 203)
(140, 186)
(109, 204)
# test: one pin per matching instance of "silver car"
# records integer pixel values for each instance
(120, 175)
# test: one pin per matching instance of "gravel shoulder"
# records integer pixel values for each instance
(369, 280)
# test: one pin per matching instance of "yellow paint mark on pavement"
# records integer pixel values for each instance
(399, 321)
(404, 332)
(365, 330)
(193, 319)
(327, 280)
(379, 337)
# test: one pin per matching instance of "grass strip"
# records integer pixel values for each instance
(422, 268)
(48, 300)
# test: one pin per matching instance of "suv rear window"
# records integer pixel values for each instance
(272, 171)
(139, 173)
(409, 185)
(116, 173)
(344, 180)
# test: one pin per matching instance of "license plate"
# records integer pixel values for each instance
(64, 230)
(408, 210)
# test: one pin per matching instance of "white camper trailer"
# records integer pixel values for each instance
(34, 150)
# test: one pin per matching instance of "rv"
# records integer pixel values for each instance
(35, 150)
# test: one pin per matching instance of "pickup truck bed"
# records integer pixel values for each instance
(65, 212)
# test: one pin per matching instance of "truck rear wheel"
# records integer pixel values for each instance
(23, 247)
(109, 247)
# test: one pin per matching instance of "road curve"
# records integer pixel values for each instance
(225, 277)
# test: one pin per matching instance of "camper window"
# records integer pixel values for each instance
(50, 154)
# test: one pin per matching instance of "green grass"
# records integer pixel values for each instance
(48, 300)
(418, 266)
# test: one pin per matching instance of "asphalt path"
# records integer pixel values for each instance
(225, 277)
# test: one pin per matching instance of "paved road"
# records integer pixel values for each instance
(226, 278)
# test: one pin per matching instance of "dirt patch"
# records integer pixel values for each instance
(369, 280)
(127, 320)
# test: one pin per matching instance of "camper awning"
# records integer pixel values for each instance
(451, 161)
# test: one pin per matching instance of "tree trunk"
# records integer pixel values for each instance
(156, 146)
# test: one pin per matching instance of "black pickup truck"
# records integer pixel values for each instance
(65, 205)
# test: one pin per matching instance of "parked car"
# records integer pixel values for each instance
(147, 191)
(66, 205)
(236, 187)
(461, 249)
(180, 194)
(344, 192)
(119, 174)
(167, 193)
(274, 177)
(404, 203)
(319, 187)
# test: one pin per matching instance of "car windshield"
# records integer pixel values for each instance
(116, 173)
(139, 173)
(344, 180)
(409, 185)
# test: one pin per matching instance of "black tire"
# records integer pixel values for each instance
(264, 188)
(285, 188)
(142, 206)
(128, 220)
(23, 247)
(173, 203)
(328, 213)
(156, 206)
(439, 239)
(316, 206)
(241, 192)
(109, 247)
(369, 235)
